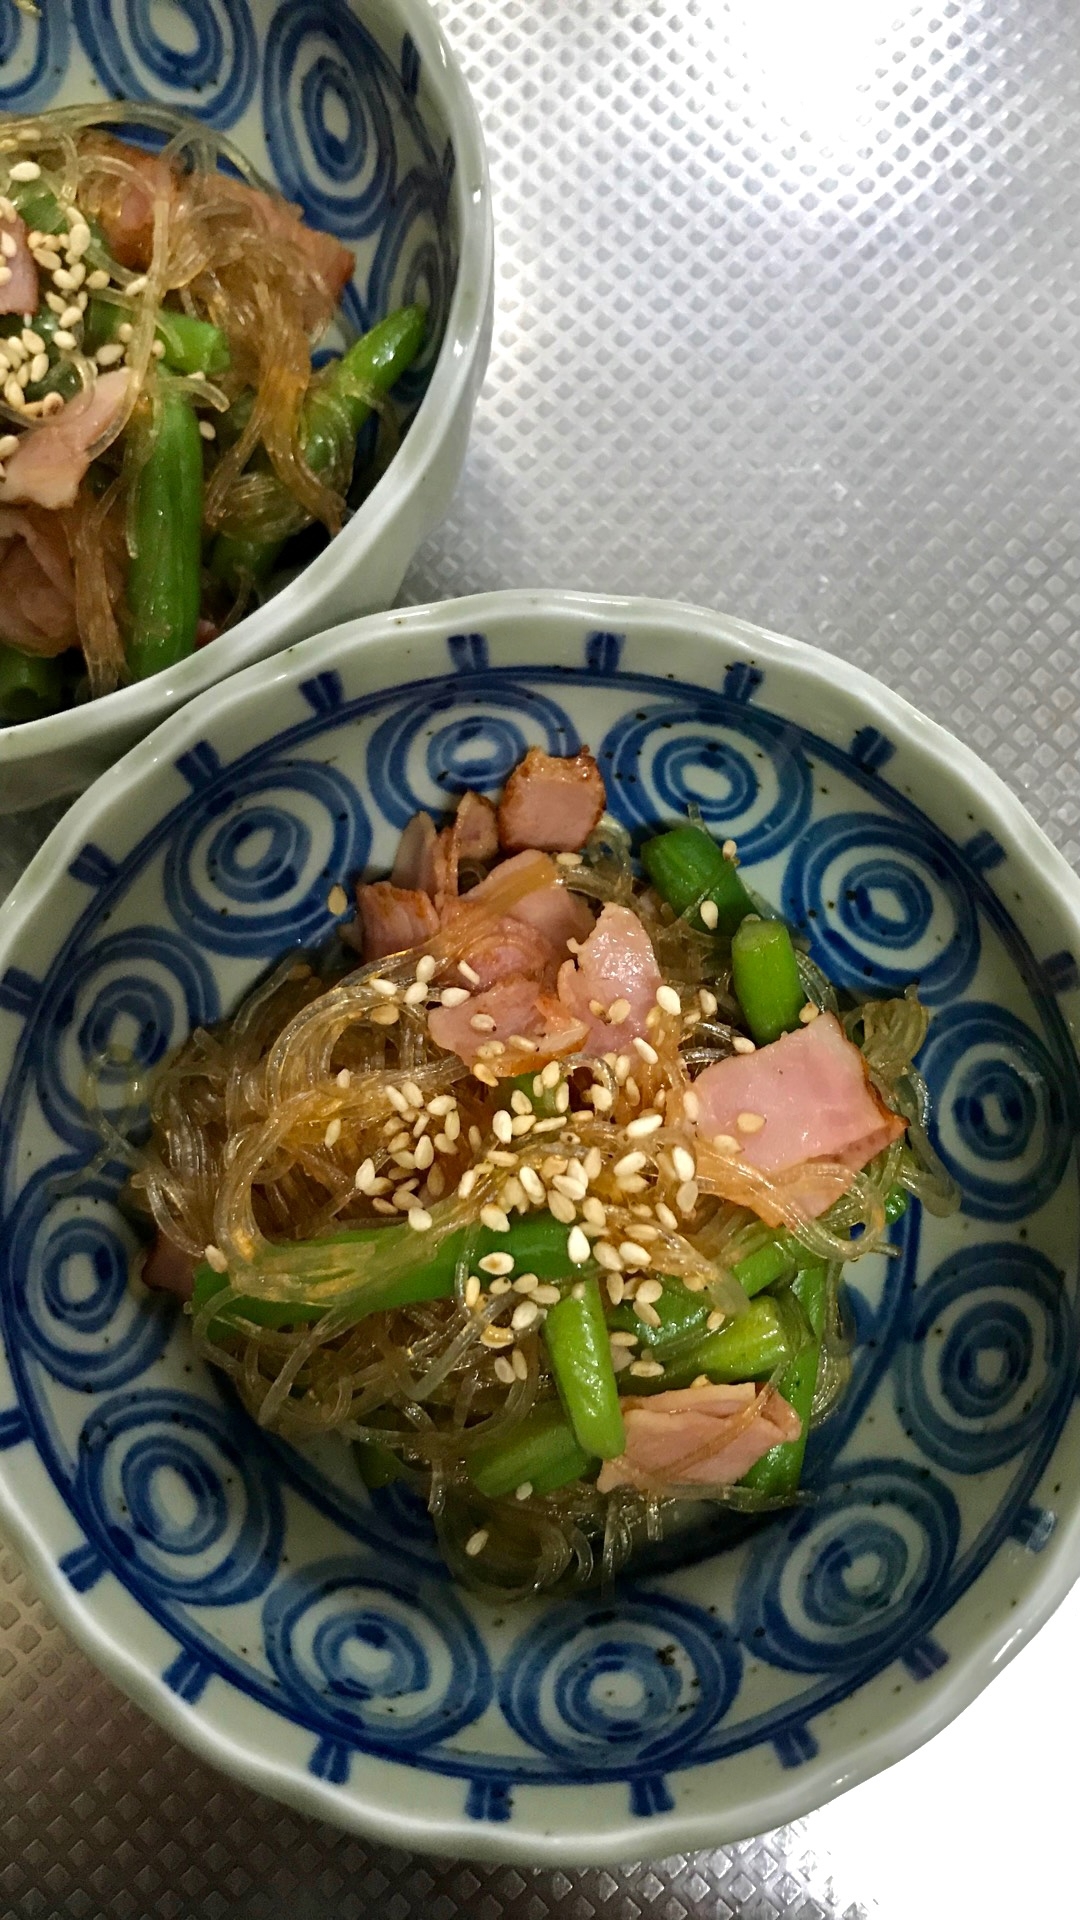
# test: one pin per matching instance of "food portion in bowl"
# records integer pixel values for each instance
(545, 1204)
(164, 434)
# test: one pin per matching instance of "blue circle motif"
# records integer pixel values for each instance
(412, 265)
(744, 770)
(319, 57)
(67, 1259)
(34, 53)
(390, 1664)
(224, 1547)
(988, 1358)
(870, 890)
(250, 869)
(211, 75)
(100, 999)
(417, 759)
(638, 1682)
(854, 1575)
(1001, 1114)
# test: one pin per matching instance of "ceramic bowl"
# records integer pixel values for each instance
(357, 110)
(300, 1632)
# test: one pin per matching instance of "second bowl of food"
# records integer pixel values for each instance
(245, 309)
(597, 1085)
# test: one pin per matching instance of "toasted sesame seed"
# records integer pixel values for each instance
(687, 1197)
(25, 170)
(726, 1143)
(385, 1016)
(504, 1372)
(618, 1012)
(215, 1258)
(477, 1541)
(633, 1255)
(710, 915)
(646, 1369)
(383, 1206)
(494, 1219)
(729, 849)
(337, 900)
(750, 1122)
(519, 1364)
(332, 1134)
(524, 1316)
(596, 1008)
(808, 1013)
(620, 1339)
(577, 1247)
(716, 1319)
(668, 999)
(485, 1075)
(497, 1337)
(645, 1123)
(684, 1163)
(98, 279)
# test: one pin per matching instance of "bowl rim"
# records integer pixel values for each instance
(527, 1841)
(146, 702)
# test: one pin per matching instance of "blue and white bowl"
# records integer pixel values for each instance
(302, 1633)
(357, 110)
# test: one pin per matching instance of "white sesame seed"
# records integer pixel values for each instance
(494, 1219)
(620, 1339)
(502, 1126)
(397, 1099)
(615, 1288)
(482, 1023)
(707, 1002)
(646, 1369)
(425, 1153)
(549, 1126)
(618, 1012)
(215, 1258)
(8, 444)
(5, 275)
(577, 1247)
(550, 1076)
(63, 276)
(691, 1105)
(32, 341)
(23, 375)
(648, 1292)
(499, 1285)
(364, 1175)
(808, 1013)
(715, 1320)
(441, 1105)
(64, 340)
(729, 849)
(25, 170)
(332, 1134)
(472, 1290)
(78, 239)
(52, 403)
(485, 1075)
(532, 1183)
(412, 1094)
(69, 316)
(98, 279)
(337, 900)
(13, 393)
(136, 286)
(497, 1337)
(157, 351)
(524, 1316)
(666, 1217)
(726, 1143)
(477, 1541)
(668, 1000)
(504, 1372)
(420, 1220)
(39, 367)
(750, 1122)
(742, 1043)
(607, 1256)
(526, 1283)
(385, 1016)
(630, 1163)
(381, 986)
(594, 1211)
(568, 859)
(8, 246)
(710, 915)
(415, 993)
(520, 1102)
(687, 1197)
(563, 1209)
(523, 1123)
(646, 1052)
(547, 1296)
(645, 1123)
(683, 1163)
(519, 1364)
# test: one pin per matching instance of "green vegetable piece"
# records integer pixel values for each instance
(896, 1205)
(191, 345)
(686, 866)
(165, 536)
(778, 1471)
(773, 1261)
(379, 1466)
(750, 1347)
(542, 1450)
(682, 1317)
(30, 686)
(576, 1337)
(766, 978)
(542, 1103)
(336, 408)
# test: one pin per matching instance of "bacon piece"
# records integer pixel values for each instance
(37, 585)
(476, 829)
(122, 204)
(518, 1009)
(168, 1269)
(813, 1093)
(393, 918)
(19, 292)
(702, 1436)
(414, 863)
(50, 460)
(551, 802)
(617, 962)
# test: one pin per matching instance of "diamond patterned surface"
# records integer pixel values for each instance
(788, 322)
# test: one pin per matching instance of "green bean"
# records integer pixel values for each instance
(542, 1451)
(778, 1471)
(379, 1466)
(190, 345)
(336, 408)
(576, 1337)
(896, 1205)
(30, 686)
(165, 536)
(766, 978)
(686, 866)
(542, 1103)
(749, 1347)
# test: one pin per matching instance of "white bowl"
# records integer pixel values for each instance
(300, 1632)
(425, 146)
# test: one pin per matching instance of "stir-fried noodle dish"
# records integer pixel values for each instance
(544, 1203)
(165, 438)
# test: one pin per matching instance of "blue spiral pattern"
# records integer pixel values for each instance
(33, 52)
(68, 1257)
(170, 1490)
(1003, 1118)
(969, 1372)
(206, 65)
(989, 1356)
(637, 1683)
(327, 108)
(442, 739)
(251, 870)
(886, 902)
(744, 770)
(386, 1664)
(119, 1006)
(855, 1574)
